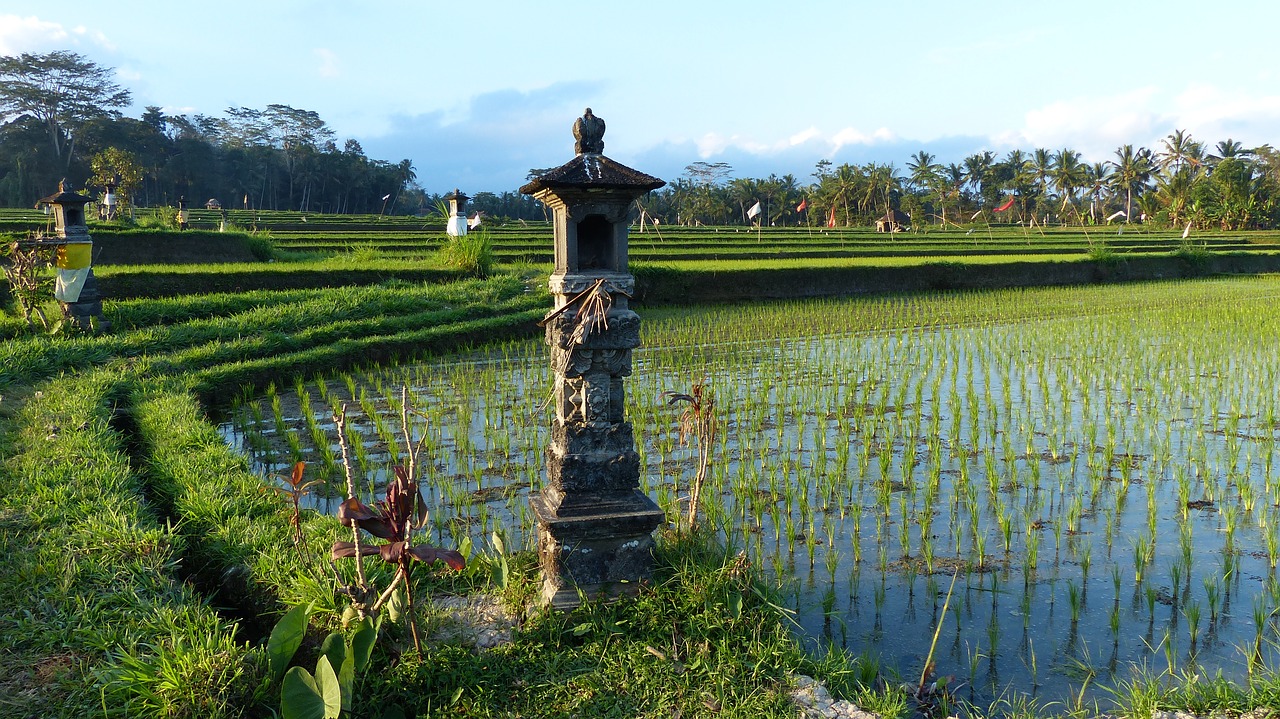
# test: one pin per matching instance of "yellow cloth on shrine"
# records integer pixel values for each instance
(75, 257)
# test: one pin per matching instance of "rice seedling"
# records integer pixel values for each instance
(936, 427)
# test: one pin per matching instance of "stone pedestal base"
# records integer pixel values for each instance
(603, 554)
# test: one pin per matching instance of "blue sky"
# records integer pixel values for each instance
(478, 93)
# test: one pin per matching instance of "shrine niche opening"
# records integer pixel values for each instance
(595, 244)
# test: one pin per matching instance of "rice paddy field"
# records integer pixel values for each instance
(1068, 485)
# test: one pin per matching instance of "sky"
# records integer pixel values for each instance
(478, 93)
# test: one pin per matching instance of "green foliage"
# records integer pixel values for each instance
(92, 574)
(331, 690)
(120, 168)
(472, 253)
(285, 639)
(260, 246)
(162, 217)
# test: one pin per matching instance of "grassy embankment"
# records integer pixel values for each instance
(146, 564)
(149, 564)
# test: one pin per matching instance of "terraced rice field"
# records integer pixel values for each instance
(1095, 467)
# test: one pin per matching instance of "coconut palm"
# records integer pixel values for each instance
(953, 179)
(1132, 172)
(1041, 168)
(1173, 190)
(977, 168)
(1098, 178)
(927, 175)
(882, 183)
(1020, 177)
(924, 170)
(1069, 175)
(1180, 151)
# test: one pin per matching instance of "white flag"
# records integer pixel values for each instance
(384, 197)
(1118, 213)
(474, 222)
(755, 210)
(1186, 231)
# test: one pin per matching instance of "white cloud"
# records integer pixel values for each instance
(20, 34)
(853, 136)
(713, 144)
(96, 36)
(1097, 125)
(804, 136)
(328, 62)
(1093, 125)
(1212, 114)
(29, 34)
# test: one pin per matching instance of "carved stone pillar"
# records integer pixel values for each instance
(595, 526)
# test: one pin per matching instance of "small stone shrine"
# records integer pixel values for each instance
(457, 225)
(595, 526)
(76, 288)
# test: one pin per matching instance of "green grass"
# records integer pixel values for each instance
(97, 613)
(144, 563)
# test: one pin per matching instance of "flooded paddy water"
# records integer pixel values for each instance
(1101, 483)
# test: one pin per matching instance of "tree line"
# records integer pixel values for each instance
(60, 117)
(1227, 186)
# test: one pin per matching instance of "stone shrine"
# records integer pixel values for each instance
(457, 224)
(76, 287)
(595, 526)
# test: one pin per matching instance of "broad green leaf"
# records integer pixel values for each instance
(395, 605)
(362, 643)
(347, 680)
(330, 691)
(499, 572)
(335, 648)
(285, 639)
(299, 696)
(735, 604)
(349, 615)
(498, 545)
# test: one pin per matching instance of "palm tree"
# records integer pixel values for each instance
(882, 182)
(1173, 190)
(927, 175)
(845, 182)
(1020, 175)
(953, 177)
(1069, 174)
(923, 169)
(1132, 171)
(1226, 150)
(977, 167)
(1179, 151)
(1042, 167)
(1097, 179)
(744, 191)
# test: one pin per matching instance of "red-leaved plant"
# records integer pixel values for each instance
(395, 519)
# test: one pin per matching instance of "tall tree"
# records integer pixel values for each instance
(1132, 172)
(62, 90)
(1069, 175)
(1180, 151)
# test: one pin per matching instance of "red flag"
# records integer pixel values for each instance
(831, 219)
(803, 204)
(1005, 206)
